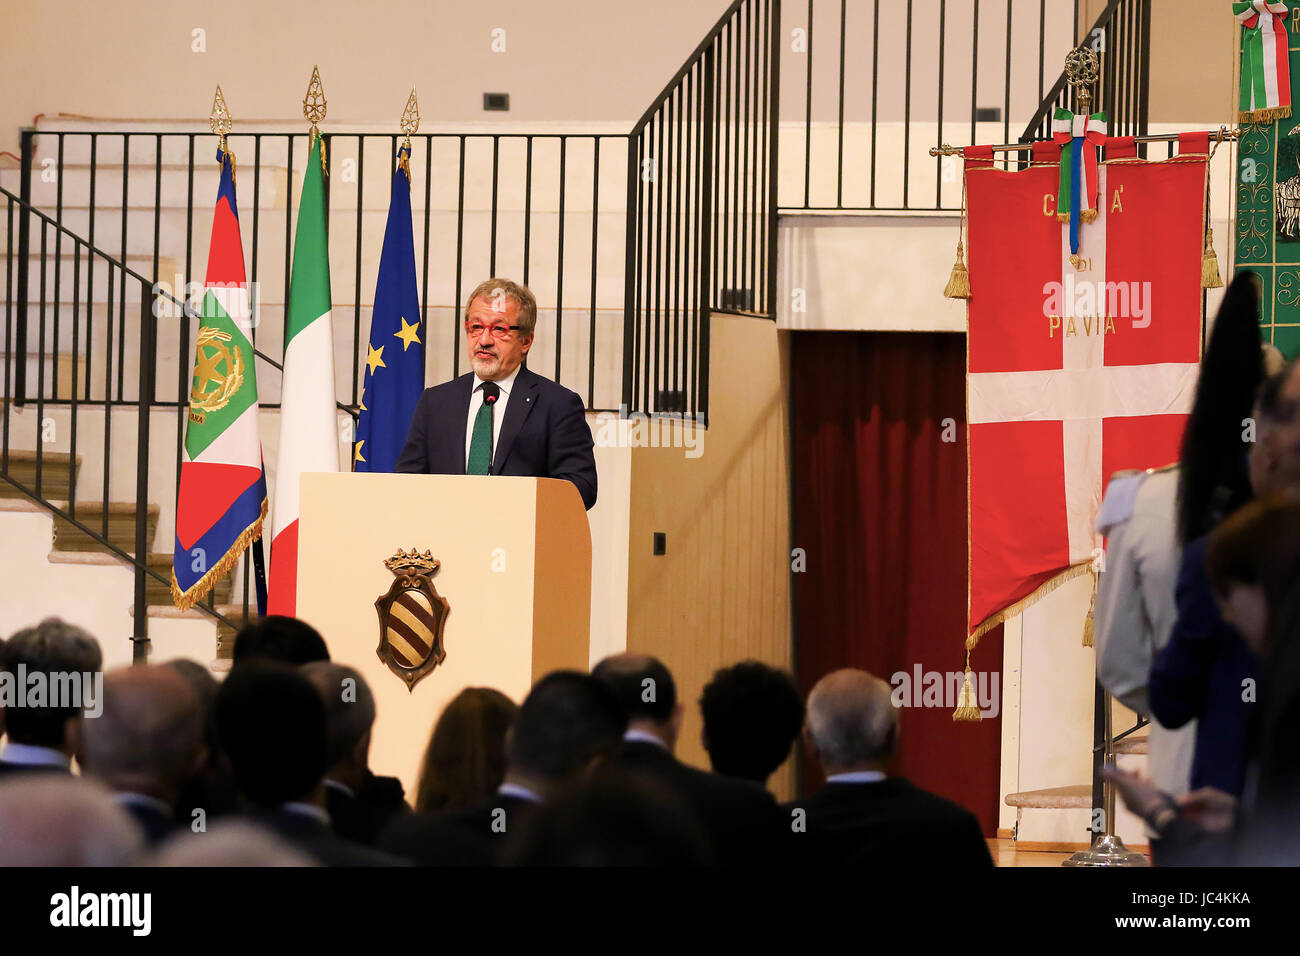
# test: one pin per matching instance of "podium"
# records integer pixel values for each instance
(515, 557)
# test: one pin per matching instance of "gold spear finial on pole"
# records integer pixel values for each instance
(410, 123)
(222, 122)
(313, 109)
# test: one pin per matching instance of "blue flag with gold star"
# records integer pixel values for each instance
(395, 357)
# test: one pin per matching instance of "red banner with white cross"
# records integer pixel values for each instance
(1075, 369)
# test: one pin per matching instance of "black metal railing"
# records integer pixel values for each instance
(1121, 38)
(61, 258)
(484, 203)
(856, 103)
(701, 225)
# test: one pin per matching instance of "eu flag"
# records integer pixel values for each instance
(395, 357)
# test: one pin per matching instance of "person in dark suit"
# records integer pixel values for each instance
(45, 738)
(359, 802)
(278, 637)
(752, 717)
(861, 815)
(568, 724)
(501, 418)
(147, 744)
(271, 723)
(740, 818)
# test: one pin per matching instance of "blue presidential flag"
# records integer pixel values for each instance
(395, 357)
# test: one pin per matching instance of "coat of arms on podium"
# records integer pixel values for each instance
(411, 617)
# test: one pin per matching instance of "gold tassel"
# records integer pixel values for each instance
(1210, 278)
(1076, 260)
(1089, 625)
(958, 286)
(1088, 215)
(967, 704)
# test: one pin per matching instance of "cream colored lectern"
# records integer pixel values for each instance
(515, 556)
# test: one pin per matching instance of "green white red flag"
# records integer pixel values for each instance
(221, 499)
(309, 438)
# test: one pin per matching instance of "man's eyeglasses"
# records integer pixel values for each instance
(498, 332)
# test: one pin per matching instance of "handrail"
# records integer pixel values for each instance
(112, 262)
(696, 55)
(1049, 101)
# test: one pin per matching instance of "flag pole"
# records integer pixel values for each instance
(259, 576)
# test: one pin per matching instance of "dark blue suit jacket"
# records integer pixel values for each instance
(1199, 674)
(544, 433)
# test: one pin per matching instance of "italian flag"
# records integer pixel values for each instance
(1265, 62)
(309, 438)
(221, 500)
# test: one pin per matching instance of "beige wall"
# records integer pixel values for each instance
(721, 593)
(564, 59)
(1192, 43)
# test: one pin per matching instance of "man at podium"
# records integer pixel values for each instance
(501, 418)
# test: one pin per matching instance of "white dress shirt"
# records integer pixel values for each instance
(857, 776)
(498, 411)
(644, 737)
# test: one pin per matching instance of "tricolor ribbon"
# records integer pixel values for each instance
(1079, 137)
(1265, 63)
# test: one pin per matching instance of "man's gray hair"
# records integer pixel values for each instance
(229, 843)
(521, 295)
(349, 705)
(58, 820)
(852, 719)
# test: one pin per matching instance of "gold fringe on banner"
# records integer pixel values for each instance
(1038, 594)
(187, 599)
(1088, 216)
(967, 703)
(1265, 115)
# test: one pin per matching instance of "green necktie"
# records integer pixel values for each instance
(480, 443)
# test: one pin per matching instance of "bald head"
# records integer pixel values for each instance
(149, 738)
(57, 820)
(852, 723)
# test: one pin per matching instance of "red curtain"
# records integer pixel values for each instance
(880, 511)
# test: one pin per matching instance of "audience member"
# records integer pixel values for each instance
(1148, 516)
(47, 736)
(617, 818)
(568, 724)
(740, 818)
(229, 843)
(146, 744)
(861, 815)
(279, 638)
(465, 761)
(61, 820)
(271, 724)
(359, 802)
(210, 792)
(752, 715)
(1200, 672)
